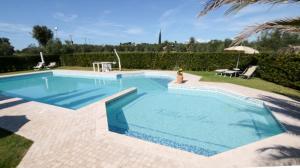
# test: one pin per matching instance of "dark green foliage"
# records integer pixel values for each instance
(54, 46)
(274, 40)
(32, 49)
(42, 34)
(281, 69)
(163, 60)
(268, 42)
(6, 49)
(159, 37)
(19, 63)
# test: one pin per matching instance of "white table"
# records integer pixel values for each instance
(105, 66)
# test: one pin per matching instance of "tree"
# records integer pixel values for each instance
(227, 42)
(54, 46)
(32, 49)
(68, 47)
(6, 49)
(274, 40)
(283, 25)
(159, 37)
(191, 44)
(192, 40)
(42, 34)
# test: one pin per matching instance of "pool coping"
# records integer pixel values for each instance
(102, 128)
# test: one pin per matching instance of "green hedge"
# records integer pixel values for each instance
(187, 61)
(19, 63)
(281, 69)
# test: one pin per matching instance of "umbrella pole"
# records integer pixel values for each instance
(238, 61)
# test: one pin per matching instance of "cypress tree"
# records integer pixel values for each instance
(159, 37)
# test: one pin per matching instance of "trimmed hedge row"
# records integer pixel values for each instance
(281, 69)
(187, 61)
(19, 63)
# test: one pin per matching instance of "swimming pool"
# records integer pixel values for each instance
(71, 91)
(204, 122)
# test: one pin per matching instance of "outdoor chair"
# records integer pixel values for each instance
(51, 65)
(38, 66)
(231, 73)
(248, 72)
(220, 71)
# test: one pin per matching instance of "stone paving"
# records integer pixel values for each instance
(80, 138)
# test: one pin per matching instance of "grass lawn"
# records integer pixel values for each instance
(16, 72)
(256, 83)
(12, 148)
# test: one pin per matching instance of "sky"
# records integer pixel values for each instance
(119, 21)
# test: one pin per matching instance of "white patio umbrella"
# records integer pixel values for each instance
(245, 49)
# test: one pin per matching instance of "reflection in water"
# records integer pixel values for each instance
(46, 82)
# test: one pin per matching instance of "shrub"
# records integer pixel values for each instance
(19, 63)
(281, 69)
(187, 61)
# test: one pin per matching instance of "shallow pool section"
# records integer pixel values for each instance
(202, 122)
(73, 92)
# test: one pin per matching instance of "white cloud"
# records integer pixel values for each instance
(102, 29)
(166, 14)
(134, 31)
(14, 28)
(64, 17)
(200, 40)
(167, 18)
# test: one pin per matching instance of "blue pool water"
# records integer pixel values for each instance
(71, 92)
(202, 122)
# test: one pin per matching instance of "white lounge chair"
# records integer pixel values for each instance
(231, 73)
(38, 66)
(248, 72)
(220, 71)
(51, 65)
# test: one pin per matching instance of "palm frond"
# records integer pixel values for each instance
(237, 5)
(283, 25)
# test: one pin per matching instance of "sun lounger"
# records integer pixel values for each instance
(249, 72)
(230, 73)
(220, 71)
(38, 66)
(51, 65)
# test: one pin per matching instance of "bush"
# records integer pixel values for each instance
(142, 60)
(281, 69)
(19, 63)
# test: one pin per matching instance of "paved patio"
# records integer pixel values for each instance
(80, 138)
